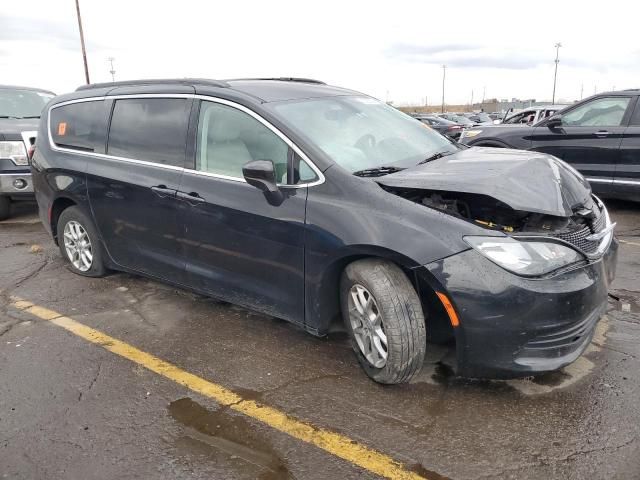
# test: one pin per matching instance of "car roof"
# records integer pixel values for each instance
(33, 89)
(259, 89)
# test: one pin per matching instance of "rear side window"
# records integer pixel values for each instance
(74, 126)
(150, 129)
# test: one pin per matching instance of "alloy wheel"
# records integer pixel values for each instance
(367, 327)
(78, 246)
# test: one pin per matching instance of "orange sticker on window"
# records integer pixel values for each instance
(62, 128)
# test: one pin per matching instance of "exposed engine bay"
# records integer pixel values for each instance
(493, 214)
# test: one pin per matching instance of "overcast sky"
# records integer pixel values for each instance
(392, 50)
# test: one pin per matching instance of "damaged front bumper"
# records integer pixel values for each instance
(513, 326)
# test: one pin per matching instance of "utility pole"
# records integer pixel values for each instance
(555, 75)
(472, 99)
(444, 71)
(113, 70)
(84, 51)
(581, 90)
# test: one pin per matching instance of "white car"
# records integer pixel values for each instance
(530, 116)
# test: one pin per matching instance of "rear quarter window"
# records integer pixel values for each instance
(75, 126)
(150, 129)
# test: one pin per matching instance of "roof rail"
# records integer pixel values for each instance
(34, 89)
(161, 81)
(287, 79)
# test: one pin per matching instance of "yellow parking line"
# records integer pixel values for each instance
(331, 442)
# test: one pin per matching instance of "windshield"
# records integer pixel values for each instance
(483, 117)
(16, 103)
(362, 133)
(461, 119)
(441, 121)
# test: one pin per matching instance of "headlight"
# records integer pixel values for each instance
(525, 257)
(471, 133)
(15, 151)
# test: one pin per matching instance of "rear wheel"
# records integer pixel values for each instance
(384, 318)
(5, 206)
(79, 243)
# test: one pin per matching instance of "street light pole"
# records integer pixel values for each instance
(444, 71)
(113, 70)
(84, 51)
(555, 75)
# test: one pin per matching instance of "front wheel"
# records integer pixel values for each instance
(384, 318)
(79, 243)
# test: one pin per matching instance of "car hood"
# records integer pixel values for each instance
(523, 180)
(11, 128)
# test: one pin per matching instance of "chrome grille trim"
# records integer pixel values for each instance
(581, 240)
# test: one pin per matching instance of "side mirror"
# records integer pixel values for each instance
(261, 174)
(554, 123)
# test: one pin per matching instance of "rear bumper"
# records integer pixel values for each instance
(512, 326)
(16, 184)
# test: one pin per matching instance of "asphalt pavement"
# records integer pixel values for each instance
(80, 399)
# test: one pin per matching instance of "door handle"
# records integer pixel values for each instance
(162, 191)
(602, 133)
(190, 197)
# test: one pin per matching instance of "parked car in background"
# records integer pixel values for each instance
(495, 116)
(441, 125)
(599, 136)
(20, 109)
(457, 118)
(312, 203)
(532, 115)
(479, 118)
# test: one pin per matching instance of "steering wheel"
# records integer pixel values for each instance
(366, 142)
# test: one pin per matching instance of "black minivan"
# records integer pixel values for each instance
(313, 203)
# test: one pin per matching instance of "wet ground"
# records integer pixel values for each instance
(70, 409)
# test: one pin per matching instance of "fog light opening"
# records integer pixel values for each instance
(19, 184)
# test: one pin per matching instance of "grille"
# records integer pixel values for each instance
(566, 336)
(578, 238)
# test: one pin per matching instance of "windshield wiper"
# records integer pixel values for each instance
(435, 156)
(9, 116)
(31, 116)
(376, 172)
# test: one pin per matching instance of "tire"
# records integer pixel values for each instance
(77, 225)
(5, 207)
(398, 314)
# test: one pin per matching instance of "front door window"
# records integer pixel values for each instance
(601, 112)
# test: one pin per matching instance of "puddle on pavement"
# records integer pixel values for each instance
(216, 433)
